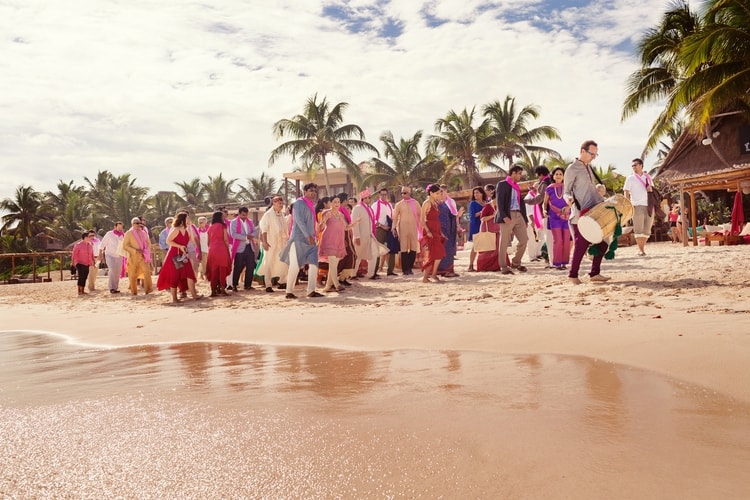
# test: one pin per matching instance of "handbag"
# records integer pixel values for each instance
(484, 241)
(179, 260)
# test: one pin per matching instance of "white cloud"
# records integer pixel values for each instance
(171, 91)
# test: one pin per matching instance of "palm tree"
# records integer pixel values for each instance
(610, 178)
(407, 166)
(115, 198)
(25, 215)
(461, 144)
(661, 70)
(219, 190)
(511, 135)
(319, 132)
(162, 205)
(717, 61)
(259, 188)
(192, 193)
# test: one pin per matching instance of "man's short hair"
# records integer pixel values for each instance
(309, 186)
(637, 160)
(202, 219)
(242, 210)
(587, 144)
(514, 169)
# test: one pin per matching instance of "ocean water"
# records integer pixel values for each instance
(226, 420)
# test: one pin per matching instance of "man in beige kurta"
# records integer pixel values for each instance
(406, 227)
(136, 243)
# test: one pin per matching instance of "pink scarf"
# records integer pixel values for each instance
(647, 181)
(538, 215)
(117, 233)
(346, 213)
(517, 189)
(238, 229)
(143, 243)
(377, 210)
(197, 241)
(372, 215)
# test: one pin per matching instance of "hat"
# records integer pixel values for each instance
(365, 194)
(135, 219)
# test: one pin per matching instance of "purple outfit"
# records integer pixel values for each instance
(558, 225)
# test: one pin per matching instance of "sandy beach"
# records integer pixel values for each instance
(682, 312)
(483, 386)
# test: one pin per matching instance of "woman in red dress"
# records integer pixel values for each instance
(174, 275)
(488, 261)
(433, 241)
(219, 263)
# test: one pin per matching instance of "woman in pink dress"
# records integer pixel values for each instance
(333, 242)
(433, 240)
(178, 274)
(219, 264)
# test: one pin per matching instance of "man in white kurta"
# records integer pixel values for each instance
(363, 233)
(274, 233)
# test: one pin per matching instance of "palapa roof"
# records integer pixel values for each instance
(721, 164)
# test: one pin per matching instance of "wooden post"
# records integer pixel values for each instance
(683, 219)
(693, 218)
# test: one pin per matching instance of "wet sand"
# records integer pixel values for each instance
(487, 386)
(231, 420)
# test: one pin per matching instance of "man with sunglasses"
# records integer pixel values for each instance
(581, 194)
(136, 243)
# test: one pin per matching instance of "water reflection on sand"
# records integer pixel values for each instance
(234, 420)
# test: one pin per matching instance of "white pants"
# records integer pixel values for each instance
(291, 277)
(93, 270)
(114, 265)
(332, 282)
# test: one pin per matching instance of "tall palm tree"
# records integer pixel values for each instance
(511, 132)
(162, 205)
(219, 190)
(717, 61)
(405, 167)
(610, 178)
(258, 188)
(25, 215)
(192, 193)
(115, 197)
(662, 69)
(319, 132)
(461, 143)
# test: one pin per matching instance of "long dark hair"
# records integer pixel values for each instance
(180, 219)
(218, 216)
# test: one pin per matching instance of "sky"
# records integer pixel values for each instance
(170, 91)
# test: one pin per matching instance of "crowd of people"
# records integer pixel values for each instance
(329, 242)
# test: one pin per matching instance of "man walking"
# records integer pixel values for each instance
(406, 227)
(363, 234)
(136, 243)
(383, 211)
(581, 194)
(242, 251)
(637, 187)
(511, 215)
(108, 252)
(302, 248)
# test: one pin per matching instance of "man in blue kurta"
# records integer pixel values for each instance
(302, 248)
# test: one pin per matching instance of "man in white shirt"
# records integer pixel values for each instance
(383, 211)
(637, 187)
(108, 252)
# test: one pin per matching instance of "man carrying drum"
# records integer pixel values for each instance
(581, 195)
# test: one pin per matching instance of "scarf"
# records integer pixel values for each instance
(370, 214)
(377, 210)
(117, 233)
(143, 243)
(646, 182)
(517, 189)
(238, 229)
(346, 213)
(538, 216)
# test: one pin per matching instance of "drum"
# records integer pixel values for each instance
(600, 222)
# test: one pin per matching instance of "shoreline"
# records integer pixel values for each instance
(658, 314)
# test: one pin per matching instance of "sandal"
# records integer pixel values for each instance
(313, 295)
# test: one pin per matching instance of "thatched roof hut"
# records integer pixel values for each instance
(717, 160)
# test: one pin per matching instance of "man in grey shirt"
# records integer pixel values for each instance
(580, 191)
